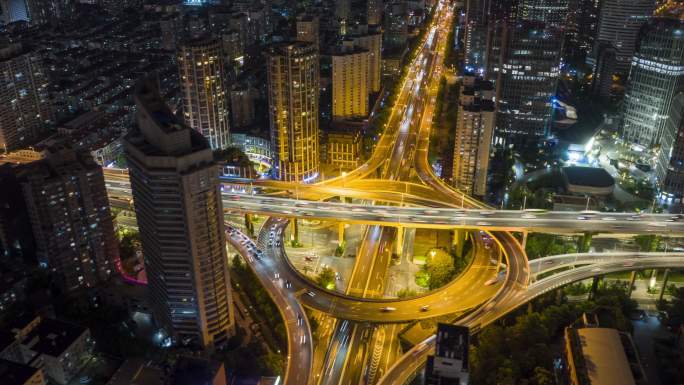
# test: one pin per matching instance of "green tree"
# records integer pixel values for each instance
(273, 364)
(584, 242)
(422, 278)
(326, 278)
(648, 242)
(406, 292)
(540, 245)
(440, 268)
(129, 244)
(675, 308)
(237, 263)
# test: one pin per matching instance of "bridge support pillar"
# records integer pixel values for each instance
(662, 289)
(249, 225)
(400, 240)
(524, 240)
(594, 287)
(294, 236)
(632, 279)
(584, 243)
(458, 240)
(340, 233)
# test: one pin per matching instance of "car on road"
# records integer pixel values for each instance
(387, 309)
(491, 281)
(311, 294)
(425, 308)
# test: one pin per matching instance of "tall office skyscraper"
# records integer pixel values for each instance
(655, 78)
(477, 21)
(474, 129)
(205, 98)
(670, 170)
(481, 21)
(582, 25)
(371, 40)
(175, 187)
(395, 31)
(25, 108)
(619, 24)
(656, 75)
(553, 13)
(528, 72)
(349, 81)
(374, 9)
(293, 94)
(69, 212)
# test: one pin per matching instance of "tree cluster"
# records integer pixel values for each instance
(521, 352)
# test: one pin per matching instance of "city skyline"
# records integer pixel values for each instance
(338, 192)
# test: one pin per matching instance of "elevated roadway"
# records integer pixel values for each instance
(450, 218)
(299, 340)
(514, 295)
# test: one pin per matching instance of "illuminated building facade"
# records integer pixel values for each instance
(374, 11)
(670, 168)
(293, 94)
(205, 99)
(474, 129)
(619, 25)
(656, 76)
(69, 212)
(25, 109)
(527, 74)
(553, 13)
(371, 40)
(350, 81)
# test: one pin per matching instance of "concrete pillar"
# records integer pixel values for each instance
(585, 242)
(248, 224)
(400, 240)
(632, 279)
(524, 240)
(662, 289)
(458, 239)
(294, 236)
(340, 233)
(594, 287)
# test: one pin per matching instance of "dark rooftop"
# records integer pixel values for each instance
(588, 176)
(13, 373)
(6, 339)
(194, 371)
(53, 337)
